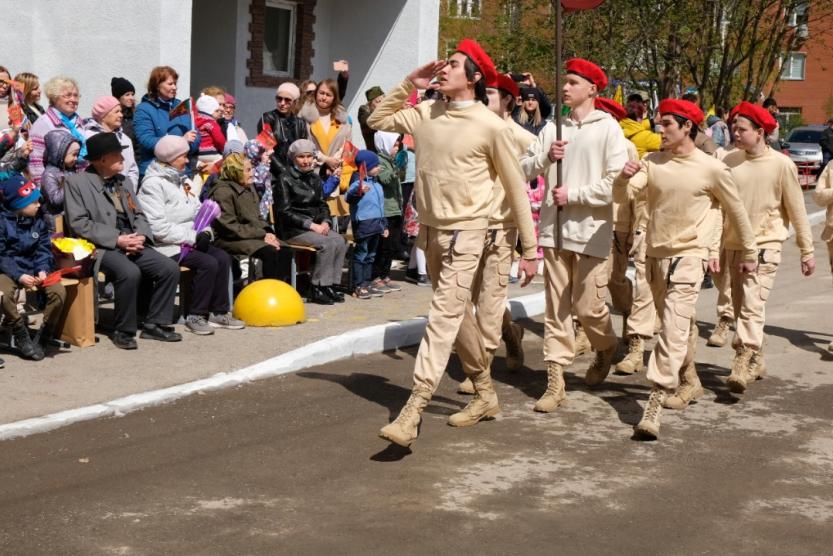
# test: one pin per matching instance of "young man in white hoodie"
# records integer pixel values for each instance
(576, 228)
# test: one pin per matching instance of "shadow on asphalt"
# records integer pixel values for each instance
(713, 378)
(393, 453)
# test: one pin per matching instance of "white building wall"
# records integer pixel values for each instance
(95, 40)
(382, 41)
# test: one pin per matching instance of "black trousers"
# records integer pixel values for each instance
(388, 248)
(276, 262)
(128, 273)
(209, 291)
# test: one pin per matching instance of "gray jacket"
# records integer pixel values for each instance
(91, 214)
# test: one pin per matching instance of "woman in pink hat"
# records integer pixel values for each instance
(107, 118)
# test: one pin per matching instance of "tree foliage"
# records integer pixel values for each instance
(729, 50)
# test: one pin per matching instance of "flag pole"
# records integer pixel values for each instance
(559, 29)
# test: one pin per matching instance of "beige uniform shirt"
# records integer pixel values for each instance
(460, 153)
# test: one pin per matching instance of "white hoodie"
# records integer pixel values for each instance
(595, 154)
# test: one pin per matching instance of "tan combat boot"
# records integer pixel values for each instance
(648, 427)
(600, 367)
(582, 344)
(514, 347)
(555, 394)
(466, 387)
(483, 405)
(757, 366)
(405, 428)
(740, 370)
(721, 333)
(632, 362)
(689, 389)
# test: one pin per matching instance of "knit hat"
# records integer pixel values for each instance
(373, 92)
(368, 158)
(207, 105)
(120, 86)
(17, 191)
(289, 89)
(169, 147)
(103, 106)
(232, 146)
(299, 147)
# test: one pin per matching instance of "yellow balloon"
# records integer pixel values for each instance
(269, 303)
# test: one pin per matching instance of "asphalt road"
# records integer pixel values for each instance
(293, 466)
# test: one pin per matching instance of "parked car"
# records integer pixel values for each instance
(802, 146)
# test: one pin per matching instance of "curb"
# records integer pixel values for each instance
(365, 341)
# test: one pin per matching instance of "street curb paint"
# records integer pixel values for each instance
(365, 341)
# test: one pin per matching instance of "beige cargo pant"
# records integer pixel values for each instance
(723, 282)
(750, 291)
(575, 284)
(830, 255)
(452, 258)
(643, 312)
(489, 294)
(675, 283)
(621, 290)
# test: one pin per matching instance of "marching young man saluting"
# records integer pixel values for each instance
(461, 149)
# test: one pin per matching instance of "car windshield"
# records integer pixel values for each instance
(804, 136)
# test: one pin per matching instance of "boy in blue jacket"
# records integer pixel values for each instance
(25, 261)
(367, 216)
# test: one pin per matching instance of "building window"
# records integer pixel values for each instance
(469, 9)
(279, 37)
(792, 66)
(281, 33)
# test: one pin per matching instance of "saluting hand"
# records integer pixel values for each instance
(422, 76)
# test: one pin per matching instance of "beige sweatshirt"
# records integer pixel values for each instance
(460, 153)
(823, 197)
(683, 191)
(595, 155)
(502, 216)
(769, 189)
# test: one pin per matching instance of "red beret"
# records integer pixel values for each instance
(506, 84)
(588, 70)
(477, 55)
(683, 108)
(611, 107)
(755, 113)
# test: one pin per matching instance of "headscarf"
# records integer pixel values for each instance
(385, 140)
(232, 169)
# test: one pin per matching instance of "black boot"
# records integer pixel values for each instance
(160, 333)
(318, 295)
(336, 296)
(27, 348)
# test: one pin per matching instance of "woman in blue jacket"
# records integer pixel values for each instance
(151, 121)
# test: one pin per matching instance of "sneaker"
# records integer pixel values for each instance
(227, 321)
(362, 293)
(374, 291)
(379, 285)
(423, 281)
(412, 276)
(391, 285)
(198, 324)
